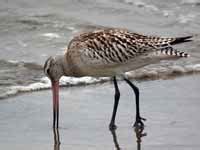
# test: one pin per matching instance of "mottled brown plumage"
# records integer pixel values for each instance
(121, 45)
(111, 51)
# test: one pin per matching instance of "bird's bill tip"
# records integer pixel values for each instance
(55, 92)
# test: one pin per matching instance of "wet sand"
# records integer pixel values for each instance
(171, 108)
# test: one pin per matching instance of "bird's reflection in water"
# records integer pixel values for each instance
(138, 131)
(115, 139)
(139, 134)
(56, 139)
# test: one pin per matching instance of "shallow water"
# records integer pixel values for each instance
(171, 112)
(30, 31)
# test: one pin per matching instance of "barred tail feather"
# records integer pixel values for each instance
(173, 52)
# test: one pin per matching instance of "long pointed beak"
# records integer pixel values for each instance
(55, 91)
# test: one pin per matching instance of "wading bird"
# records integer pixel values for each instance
(109, 52)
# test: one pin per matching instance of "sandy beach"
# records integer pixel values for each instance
(171, 108)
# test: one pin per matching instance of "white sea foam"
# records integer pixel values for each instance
(45, 83)
(153, 72)
(64, 81)
(51, 35)
(13, 61)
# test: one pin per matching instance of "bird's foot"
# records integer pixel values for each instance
(112, 126)
(138, 123)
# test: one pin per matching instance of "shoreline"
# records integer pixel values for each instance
(85, 111)
(42, 86)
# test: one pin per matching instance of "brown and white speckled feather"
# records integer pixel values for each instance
(119, 47)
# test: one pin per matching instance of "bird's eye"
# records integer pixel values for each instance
(48, 71)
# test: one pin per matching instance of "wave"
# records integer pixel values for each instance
(142, 4)
(191, 2)
(51, 35)
(147, 73)
(31, 22)
(46, 84)
(184, 19)
(163, 72)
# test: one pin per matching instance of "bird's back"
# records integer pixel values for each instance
(114, 50)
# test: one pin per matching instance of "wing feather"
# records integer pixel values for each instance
(114, 46)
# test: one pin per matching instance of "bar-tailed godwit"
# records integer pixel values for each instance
(109, 52)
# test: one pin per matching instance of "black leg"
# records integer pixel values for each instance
(138, 122)
(112, 125)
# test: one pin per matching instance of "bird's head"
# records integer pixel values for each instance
(53, 68)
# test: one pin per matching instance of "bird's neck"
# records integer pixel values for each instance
(62, 61)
